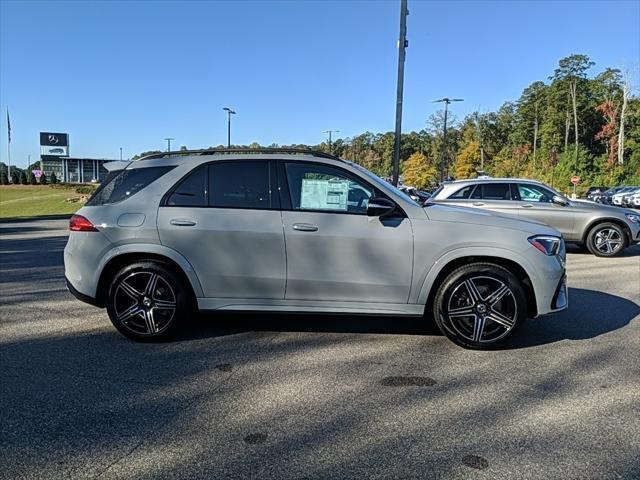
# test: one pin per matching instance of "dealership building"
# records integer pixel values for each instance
(54, 158)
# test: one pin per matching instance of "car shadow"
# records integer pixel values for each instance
(591, 314)
(630, 251)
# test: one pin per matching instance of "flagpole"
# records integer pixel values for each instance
(8, 147)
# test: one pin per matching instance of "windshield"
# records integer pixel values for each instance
(383, 183)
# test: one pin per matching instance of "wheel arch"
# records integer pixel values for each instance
(118, 260)
(597, 221)
(511, 265)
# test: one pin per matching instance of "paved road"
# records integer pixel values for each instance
(316, 397)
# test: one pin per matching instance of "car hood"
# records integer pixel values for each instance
(599, 207)
(475, 216)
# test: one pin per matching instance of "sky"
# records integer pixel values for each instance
(130, 73)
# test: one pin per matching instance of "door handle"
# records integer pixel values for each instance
(527, 205)
(181, 222)
(478, 204)
(305, 227)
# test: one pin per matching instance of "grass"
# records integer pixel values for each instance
(37, 200)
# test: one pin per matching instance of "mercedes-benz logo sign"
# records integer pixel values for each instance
(53, 139)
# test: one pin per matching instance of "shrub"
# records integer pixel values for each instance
(86, 189)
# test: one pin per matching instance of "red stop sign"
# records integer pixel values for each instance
(575, 180)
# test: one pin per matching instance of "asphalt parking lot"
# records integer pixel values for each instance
(313, 397)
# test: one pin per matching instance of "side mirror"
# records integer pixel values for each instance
(380, 207)
(558, 200)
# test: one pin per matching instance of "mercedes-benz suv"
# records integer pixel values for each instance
(288, 230)
(604, 230)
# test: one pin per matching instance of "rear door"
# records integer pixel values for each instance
(335, 252)
(224, 218)
(494, 196)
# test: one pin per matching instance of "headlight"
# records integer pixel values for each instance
(546, 244)
(633, 217)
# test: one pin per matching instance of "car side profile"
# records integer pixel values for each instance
(605, 230)
(301, 231)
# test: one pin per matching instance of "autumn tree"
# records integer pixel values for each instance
(418, 171)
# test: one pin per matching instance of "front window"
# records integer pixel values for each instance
(534, 193)
(323, 188)
(385, 185)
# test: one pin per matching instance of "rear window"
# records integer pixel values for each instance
(495, 191)
(240, 185)
(122, 184)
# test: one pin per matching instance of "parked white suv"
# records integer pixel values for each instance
(289, 230)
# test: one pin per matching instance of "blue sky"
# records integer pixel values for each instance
(127, 74)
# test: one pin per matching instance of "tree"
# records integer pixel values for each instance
(468, 161)
(54, 179)
(418, 171)
(24, 179)
(4, 180)
(43, 179)
(33, 180)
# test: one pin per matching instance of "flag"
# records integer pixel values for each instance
(8, 126)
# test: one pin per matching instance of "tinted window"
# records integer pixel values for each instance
(534, 193)
(496, 191)
(463, 192)
(318, 187)
(125, 184)
(239, 184)
(192, 191)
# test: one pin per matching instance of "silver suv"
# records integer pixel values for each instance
(285, 230)
(604, 230)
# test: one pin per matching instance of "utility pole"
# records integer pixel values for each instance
(168, 139)
(479, 128)
(402, 45)
(330, 144)
(443, 152)
(120, 153)
(229, 113)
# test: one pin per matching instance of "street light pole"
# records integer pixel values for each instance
(443, 161)
(168, 139)
(402, 45)
(120, 153)
(229, 113)
(330, 145)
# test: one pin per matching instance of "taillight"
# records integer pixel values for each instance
(78, 223)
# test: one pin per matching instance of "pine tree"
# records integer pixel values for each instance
(23, 178)
(54, 179)
(33, 180)
(4, 180)
(43, 179)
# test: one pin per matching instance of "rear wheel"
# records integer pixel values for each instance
(147, 301)
(606, 240)
(480, 305)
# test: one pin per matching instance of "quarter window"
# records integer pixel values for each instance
(124, 184)
(192, 191)
(323, 188)
(240, 184)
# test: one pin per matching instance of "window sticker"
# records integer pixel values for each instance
(324, 194)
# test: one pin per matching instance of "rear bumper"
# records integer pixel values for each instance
(81, 296)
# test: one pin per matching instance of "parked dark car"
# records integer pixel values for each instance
(605, 197)
(594, 192)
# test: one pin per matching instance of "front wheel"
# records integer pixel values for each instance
(147, 301)
(606, 240)
(480, 305)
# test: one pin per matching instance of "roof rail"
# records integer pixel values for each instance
(231, 151)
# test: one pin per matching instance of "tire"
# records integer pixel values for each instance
(148, 301)
(479, 306)
(606, 240)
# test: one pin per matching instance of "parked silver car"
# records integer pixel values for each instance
(606, 231)
(284, 230)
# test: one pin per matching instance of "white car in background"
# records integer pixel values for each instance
(617, 198)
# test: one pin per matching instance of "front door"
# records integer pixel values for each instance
(536, 203)
(225, 219)
(335, 252)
